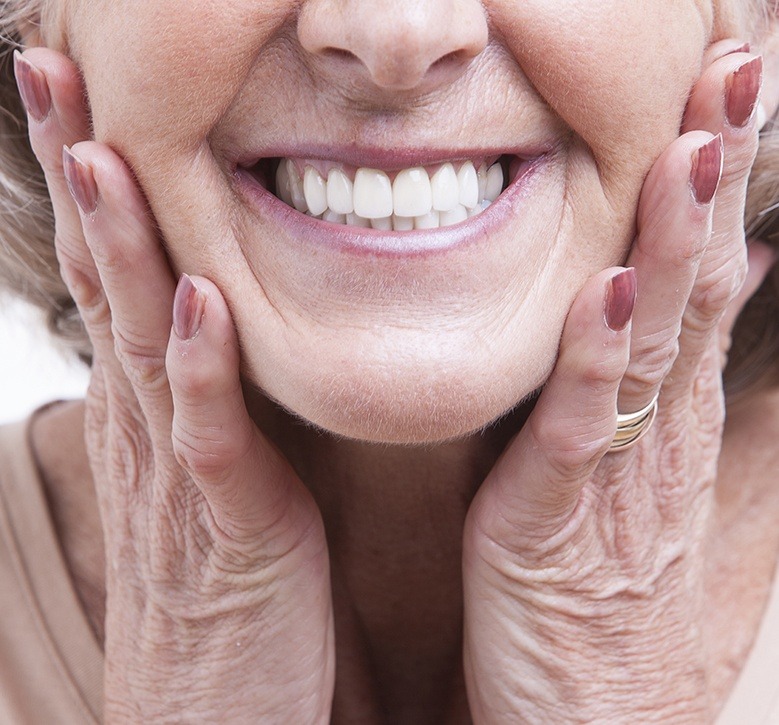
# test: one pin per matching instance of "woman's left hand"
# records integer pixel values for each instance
(583, 568)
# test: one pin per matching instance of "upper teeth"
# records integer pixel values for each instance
(413, 200)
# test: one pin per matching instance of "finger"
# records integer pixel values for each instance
(536, 484)
(722, 48)
(674, 222)
(53, 95)
(724, 101)
(725, 98)
(51, 88)
(133, 269)
(249, 486)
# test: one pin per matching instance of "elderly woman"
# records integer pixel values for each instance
(401, 445)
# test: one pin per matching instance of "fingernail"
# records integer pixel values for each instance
(33, 88)
(707, 170)
(742, 88)
(81, 181)
(188, 306)
(621, 299)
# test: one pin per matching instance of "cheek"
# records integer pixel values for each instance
(161, 74)
(618, 77)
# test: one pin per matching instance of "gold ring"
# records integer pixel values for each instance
(631, 427)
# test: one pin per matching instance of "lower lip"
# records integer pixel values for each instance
(359, 240)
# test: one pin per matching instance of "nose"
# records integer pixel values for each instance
(394, 45)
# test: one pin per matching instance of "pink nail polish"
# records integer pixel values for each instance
(706, 170)
(81, 181)
(620, 300)
(33, 88)
(188, 306)
(742, 89)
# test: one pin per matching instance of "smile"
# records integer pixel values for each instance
(388, 208)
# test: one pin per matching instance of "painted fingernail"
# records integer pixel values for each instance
(742, 89)
(707, 170)
(33, 88)
(81, 181)
(621, 299)
(188, 306)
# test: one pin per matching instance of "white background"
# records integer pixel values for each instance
(33, 370)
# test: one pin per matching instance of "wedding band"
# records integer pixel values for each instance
(631, 427)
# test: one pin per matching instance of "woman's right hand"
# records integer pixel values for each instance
(217, 578)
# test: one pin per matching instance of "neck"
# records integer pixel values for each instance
(394, 517)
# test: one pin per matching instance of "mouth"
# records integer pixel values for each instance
(421, 197)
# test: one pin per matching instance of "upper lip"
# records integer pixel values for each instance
(387, 159)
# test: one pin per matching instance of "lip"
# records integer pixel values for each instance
(358, 240)
(385, 159)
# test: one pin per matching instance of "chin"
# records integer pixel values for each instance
(406, 401)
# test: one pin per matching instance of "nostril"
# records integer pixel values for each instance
(339, 54)
(454, 58)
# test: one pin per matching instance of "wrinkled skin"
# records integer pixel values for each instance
(213, 538)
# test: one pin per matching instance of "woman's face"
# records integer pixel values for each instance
(393, 336)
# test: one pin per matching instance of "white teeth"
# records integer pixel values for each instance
(446, 190)
(469, 185)
(430, 220)
(340, 192)
(479, 209)
(455, 216)
(315, 190)
(413, 201)
(296, 187)
(372, 194)
(481, 175)
(334, 216)
(402, 223)
(494, 183)
(383, 223)
(282, 184)
(411, 193)
(357, 221)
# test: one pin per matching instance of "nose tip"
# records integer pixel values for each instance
(395, 45)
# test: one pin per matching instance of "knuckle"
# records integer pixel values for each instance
(574, 446)
(652, 361)
(601, 375)
(739, 159)
(142, 360)
(77, 271)
(708, 302)
(714, 292)
(129, 455)
(110, 258)
(195, 382)
(89, 298)
(207, 453)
